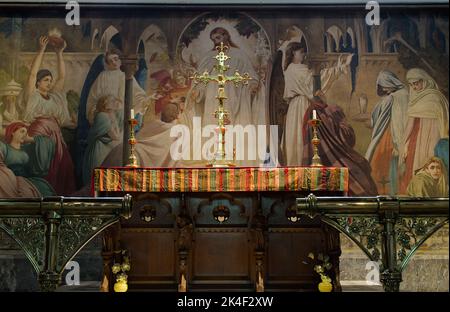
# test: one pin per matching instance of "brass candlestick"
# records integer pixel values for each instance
(316, 162)
(223, 119)
(222, 115)
(132, 159)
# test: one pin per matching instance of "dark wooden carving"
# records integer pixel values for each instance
(185, 236)
(255, 247)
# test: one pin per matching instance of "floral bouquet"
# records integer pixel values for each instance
(321, 266)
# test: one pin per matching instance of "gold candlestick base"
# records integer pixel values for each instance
(132, 159)
(220, 163)
(316, 161)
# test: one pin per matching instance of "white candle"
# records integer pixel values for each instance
(132, 113)
(314, 114)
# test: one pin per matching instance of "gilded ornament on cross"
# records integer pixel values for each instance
(222, 115)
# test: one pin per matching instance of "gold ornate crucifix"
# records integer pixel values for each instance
(222, 115)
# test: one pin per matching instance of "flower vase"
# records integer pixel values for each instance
(120, 286)
(325, 285)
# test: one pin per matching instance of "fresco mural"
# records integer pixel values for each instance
(250, 53)
(382, 94)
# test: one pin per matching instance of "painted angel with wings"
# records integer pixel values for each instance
(291, 93)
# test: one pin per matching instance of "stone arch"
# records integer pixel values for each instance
(295, 33)
(108, 36)
(405, 26)
(333, 39)
(351, 37)
(152, 51)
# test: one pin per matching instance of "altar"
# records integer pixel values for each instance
(230, 229)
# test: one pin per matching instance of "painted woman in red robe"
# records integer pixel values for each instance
(46, 110)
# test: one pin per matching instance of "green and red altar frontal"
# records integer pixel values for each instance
(233, 179)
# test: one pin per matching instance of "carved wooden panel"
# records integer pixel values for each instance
(221, 256)
(223, 241)
(153, 257)
(287, 249)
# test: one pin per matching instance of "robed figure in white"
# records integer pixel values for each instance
(111, 82)
(245, 103)
(298, 90)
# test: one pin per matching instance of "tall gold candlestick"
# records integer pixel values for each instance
(132, 159)
(314, 123)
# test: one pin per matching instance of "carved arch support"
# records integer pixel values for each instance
(387, 229)
(52, 230)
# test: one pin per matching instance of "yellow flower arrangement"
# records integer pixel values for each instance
(320, 268)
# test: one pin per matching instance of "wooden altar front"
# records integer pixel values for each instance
(220, 228)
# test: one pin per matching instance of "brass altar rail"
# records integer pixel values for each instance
(52, 230)
(387, 229)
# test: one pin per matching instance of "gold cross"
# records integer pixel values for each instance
(221, 78)
(221, 114)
